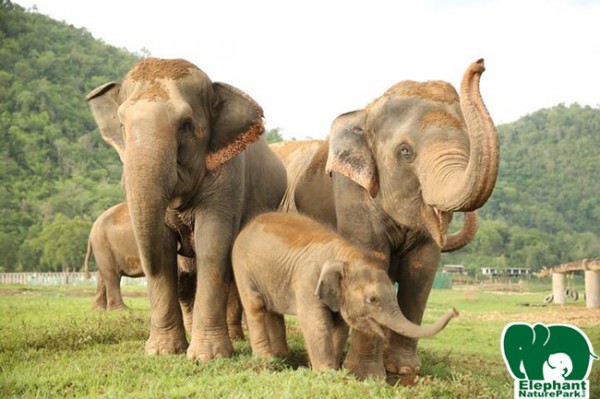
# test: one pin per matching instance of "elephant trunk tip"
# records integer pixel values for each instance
(478, 66)
(455, 313)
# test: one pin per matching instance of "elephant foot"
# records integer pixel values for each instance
(363, 369)
(401, 362)
(166, 344)
(203, 349)
(235, 332)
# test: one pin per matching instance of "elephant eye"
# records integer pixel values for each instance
(371, 299)
(405, 151)
(186, 126)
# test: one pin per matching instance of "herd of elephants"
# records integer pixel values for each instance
(343, 232)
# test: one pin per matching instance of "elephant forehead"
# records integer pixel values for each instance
(151, 69)
(435, 90)
(441, 118)
(153, 92)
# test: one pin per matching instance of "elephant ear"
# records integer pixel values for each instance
(103, 104)
(329, 286)
(236, 123)
(349, 153)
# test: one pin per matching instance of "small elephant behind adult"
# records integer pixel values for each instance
(113, 244)
(287, 263)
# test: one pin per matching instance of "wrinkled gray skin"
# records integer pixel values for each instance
(388, 179)
(112, 242)
(194, 147)
(287, 263)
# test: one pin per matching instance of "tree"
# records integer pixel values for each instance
(273, 135)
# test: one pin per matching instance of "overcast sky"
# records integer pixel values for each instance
(308, 61)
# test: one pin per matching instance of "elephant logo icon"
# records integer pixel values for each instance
(552, 360)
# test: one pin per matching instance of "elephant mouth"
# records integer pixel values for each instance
(436, 222)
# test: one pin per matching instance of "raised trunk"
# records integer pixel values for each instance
(464, 236)
(468, 190)
(397, 322)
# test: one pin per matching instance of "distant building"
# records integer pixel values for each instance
(454, 269)
(490, 271)
(518, 272)
(508, 272)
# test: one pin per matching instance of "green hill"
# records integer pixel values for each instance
(57, 174)
(545, 208)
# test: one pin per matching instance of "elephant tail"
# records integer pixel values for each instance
(86, 262)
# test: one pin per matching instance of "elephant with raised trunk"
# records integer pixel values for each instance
(290, 264)
(193, 147)
(389, 178)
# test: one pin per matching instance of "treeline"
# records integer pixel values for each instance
(57, 174)
(545, 209)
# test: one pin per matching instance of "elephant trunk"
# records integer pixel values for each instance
(469, 189)
(150, 175)
(397, 322)
(464, 236)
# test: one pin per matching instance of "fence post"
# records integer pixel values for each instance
(558, 288)
(592, 289)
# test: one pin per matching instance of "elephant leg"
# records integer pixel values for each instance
(167, 333)
(187, 291)
(340, 336)
(256, 318)
(275, 325)
(214, 233)
(365, 356)
(415, 276)
(99, 301)
(234, 313)
(114, 299)
(317, 328)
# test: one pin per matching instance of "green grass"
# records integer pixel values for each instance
(53, 345)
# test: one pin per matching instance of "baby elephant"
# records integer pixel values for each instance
(290, 264)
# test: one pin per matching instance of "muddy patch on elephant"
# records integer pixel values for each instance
(151, 69)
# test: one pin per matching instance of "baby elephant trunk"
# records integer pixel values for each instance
(397, 322)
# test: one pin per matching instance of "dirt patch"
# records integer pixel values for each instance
(551, 314)
(151, 69)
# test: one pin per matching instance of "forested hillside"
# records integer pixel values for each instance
(545, 208)
(57, 174)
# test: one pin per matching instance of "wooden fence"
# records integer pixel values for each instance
(73, 278)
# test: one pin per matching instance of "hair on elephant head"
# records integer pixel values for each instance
(421, 145)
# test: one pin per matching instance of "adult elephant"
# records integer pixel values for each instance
(194, 147)
(112, 243)
(389, 178)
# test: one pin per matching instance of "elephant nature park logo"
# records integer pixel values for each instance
(548, 361)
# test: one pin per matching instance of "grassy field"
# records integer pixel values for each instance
(53, 345)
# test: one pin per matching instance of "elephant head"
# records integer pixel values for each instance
(365, 296)
(170, 125)
(421, 149)
(539, 352)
